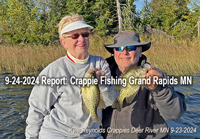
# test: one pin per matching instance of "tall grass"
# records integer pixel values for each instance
(177, 57)
(97, 45)
(172, 56)
(28, 59)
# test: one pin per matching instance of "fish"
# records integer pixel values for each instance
(129, 92)
(92, 99)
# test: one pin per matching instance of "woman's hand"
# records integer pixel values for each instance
(99, 73)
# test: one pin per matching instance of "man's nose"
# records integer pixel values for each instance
(125, 51)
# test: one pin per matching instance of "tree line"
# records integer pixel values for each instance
(35, 21)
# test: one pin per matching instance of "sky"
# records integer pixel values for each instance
(138, 4)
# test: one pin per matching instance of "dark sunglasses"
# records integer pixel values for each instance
(128, 48)
(75, 36)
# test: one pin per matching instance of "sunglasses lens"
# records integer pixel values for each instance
(128, 48)
(131, 48)
(85, 34)
(120, 48)
(75, 36)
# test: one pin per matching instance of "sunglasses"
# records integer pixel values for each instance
(76, 35)
(128, 48)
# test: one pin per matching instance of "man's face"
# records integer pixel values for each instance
(127, 60)
(77, 47)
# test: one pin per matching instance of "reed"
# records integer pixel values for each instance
(177, 57)
(97, 45)
(28, 59)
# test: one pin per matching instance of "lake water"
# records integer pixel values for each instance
(14, 109)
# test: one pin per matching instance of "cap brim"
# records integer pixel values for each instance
(145, 46)
(79, 27)
(74, 26)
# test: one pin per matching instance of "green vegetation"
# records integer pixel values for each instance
(34, 22)
(177, 18)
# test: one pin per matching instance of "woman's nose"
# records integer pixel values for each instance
(80, 38)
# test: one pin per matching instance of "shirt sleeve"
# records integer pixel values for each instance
(41, 99)
(170, 103)
(107, 91)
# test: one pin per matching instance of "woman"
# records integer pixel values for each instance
(56, 110)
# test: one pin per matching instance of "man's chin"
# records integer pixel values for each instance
(127, 67)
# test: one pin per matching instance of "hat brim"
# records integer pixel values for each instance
(145, 46)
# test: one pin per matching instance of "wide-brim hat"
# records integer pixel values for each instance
(125, 39)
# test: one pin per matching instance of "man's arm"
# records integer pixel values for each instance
(171, 104)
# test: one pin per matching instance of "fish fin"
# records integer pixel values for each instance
(81, 90)
(102, 104)
(94, 120)
(90, 123)
(130, 98)
(114, 105)
(85, 89)
(85, 109)
(117, 87)
(117, 105)
(91, 69)
(142, 87)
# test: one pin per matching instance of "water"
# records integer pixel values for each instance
(14, 109)
(191, 119)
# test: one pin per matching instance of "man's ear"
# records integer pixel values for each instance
(140, 51)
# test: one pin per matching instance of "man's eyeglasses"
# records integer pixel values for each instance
(128, 48)
(75, 36)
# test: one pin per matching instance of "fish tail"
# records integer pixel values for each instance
(94, 120)
(117, 105)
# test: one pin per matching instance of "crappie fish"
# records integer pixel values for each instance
(129, 92)
(92, 99)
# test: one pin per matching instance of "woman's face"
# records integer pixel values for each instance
(76, 47)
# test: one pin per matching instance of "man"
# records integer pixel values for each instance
(144, 117)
